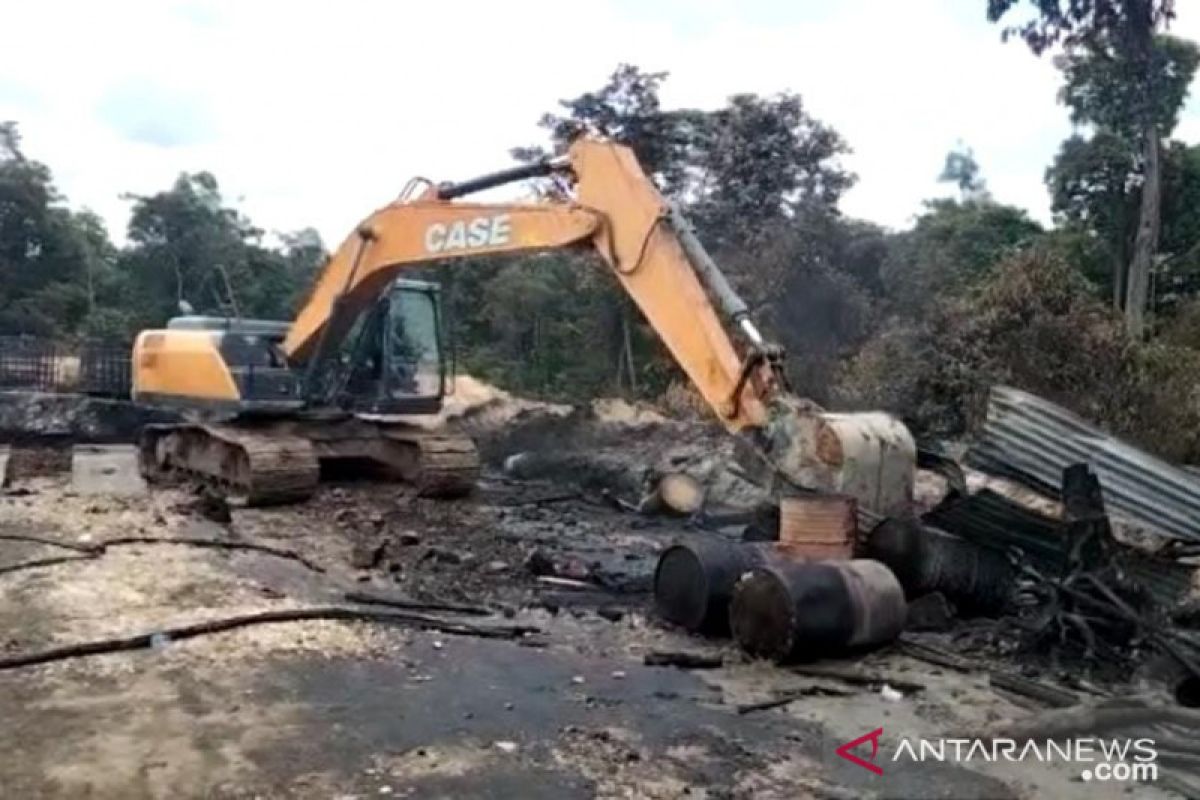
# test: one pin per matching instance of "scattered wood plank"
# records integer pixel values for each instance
(856, 677)
(562, 497)
(786, 698)
(567, 583)
(936, 656)
(1174, 743)
(1084, 720)
(95, 549)
(144, 640)
(43, 562)
(1035, 690)
(370, 598)
(215, 544)
(618, 503)
(1018, 700)
(21, 537)
(1178, 785)
(660, 658)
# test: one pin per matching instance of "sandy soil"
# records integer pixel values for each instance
(335, 709)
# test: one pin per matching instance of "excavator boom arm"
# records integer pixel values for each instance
(617, 210)
(647, 244)
(408, 234)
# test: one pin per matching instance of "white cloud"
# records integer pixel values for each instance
(316, 112)
(146, 112)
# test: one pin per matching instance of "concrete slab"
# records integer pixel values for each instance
(106, 469)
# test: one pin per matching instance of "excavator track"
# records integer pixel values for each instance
(279, 463)
(253, 469)
(447, 464)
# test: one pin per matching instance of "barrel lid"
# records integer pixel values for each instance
(762, 614)
(681, 587)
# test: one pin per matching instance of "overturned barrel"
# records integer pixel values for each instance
(977, 579)
(695, 578)
(793, 611)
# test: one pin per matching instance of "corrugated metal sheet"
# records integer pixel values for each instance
(1031, 440)
(990, 519)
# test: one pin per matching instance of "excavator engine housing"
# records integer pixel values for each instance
(263, 429)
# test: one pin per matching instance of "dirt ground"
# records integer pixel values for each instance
(327, 709)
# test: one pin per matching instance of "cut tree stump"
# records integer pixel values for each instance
(675, 493)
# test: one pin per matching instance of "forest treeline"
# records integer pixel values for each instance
(919, 321)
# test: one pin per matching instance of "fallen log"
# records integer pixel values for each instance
(855, 677)
(682, 660)
(1040, 692)
(43, 562)
(144, 640)
(675, 493)
(787, 698)
(215, 544)
(1176, 744)
(1095, 718)
(561, 497)
(369, 598)
(618, 503)
(97, 549)
(1035, 690)
(1018, 700)
(21, 537)
(1177, 785)
(568, 583)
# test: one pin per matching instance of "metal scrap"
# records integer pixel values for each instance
(1032, 440)
(991, 519)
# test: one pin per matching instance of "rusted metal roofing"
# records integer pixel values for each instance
(1031, 440)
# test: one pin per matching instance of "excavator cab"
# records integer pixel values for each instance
(265, 428)
(390, 363)
(392, 360)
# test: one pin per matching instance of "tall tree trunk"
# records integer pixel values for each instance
(1146, 243)
(628, 343)
(1118, 272)
(619, 379)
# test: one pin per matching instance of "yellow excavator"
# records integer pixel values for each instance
(271, 403)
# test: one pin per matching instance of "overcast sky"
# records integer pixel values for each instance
(315, 113)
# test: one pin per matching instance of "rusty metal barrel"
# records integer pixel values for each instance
(819, 526)
(977, 579)
(795, 611)
(695, 577)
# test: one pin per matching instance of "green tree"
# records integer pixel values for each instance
(1101, 86)
(738, 169)
(950, 248)
(304, 254)
(625, 109)
(760, 177)
(756, 161)
(190, 250)
(1093, 189)
(963, 171)
(1095, 193)
(54, 263)
(1119, 76)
